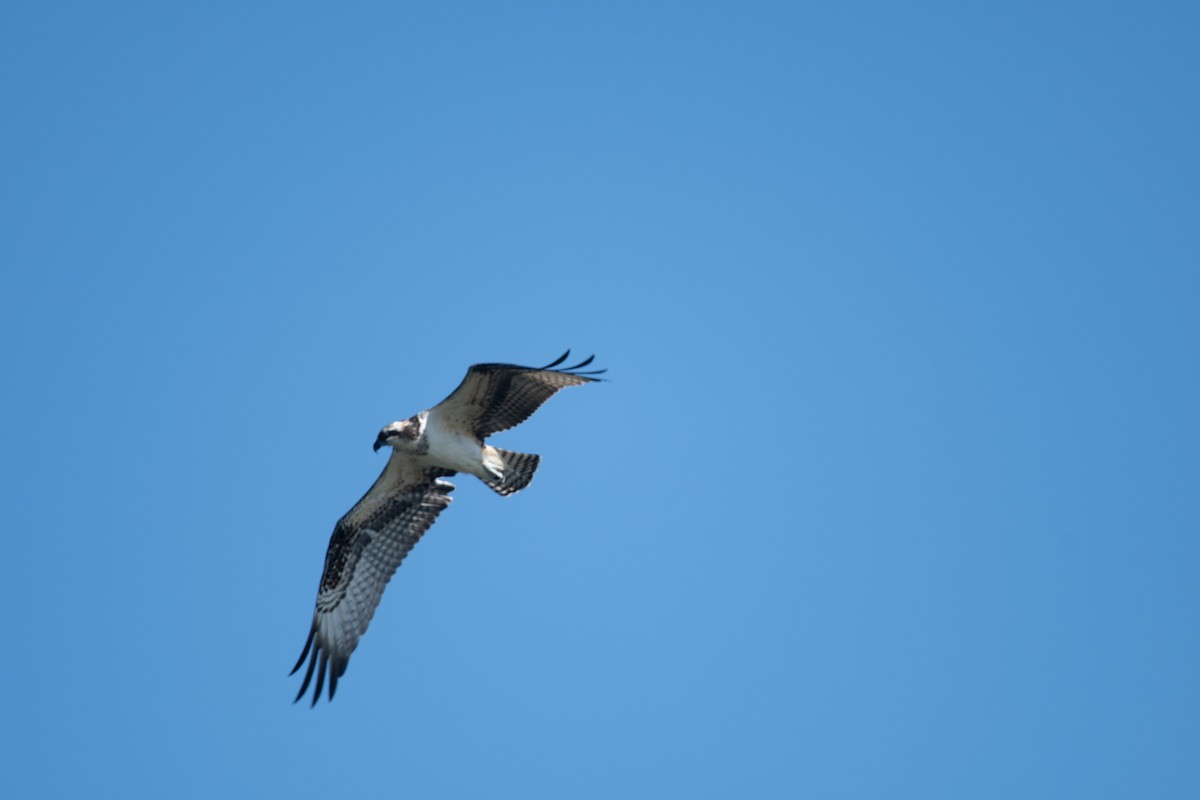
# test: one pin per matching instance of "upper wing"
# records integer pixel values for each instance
(367, 546)
(496, 397)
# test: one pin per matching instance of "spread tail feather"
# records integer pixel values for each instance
(518, 471)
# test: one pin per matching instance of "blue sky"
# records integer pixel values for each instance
(892, 492)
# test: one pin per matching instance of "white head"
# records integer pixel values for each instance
(403, 434)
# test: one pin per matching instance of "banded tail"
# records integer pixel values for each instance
(518, 471)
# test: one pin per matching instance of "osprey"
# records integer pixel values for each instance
(374, 536)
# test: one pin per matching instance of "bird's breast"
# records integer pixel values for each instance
(453, 451)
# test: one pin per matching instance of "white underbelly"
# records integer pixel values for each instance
(459, 453)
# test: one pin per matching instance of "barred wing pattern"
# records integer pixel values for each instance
(364, 552)
(496, 397)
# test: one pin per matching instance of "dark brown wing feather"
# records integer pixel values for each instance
(364, 552)
(496, 397)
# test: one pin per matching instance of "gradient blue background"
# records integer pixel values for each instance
(893, 490)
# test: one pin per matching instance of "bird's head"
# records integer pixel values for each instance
(402, 434)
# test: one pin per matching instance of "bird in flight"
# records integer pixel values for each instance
(374, 536)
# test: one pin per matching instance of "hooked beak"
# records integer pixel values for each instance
(378, 442)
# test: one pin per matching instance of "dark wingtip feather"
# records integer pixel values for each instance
(304, 654)
(319, 662)
(578, 368)
(573, 370)
(337, 668)
(320, 680)
(557, 361)
(312, 662)
(581, 364)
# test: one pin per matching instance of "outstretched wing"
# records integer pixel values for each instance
(366, 548)
(496, 397)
